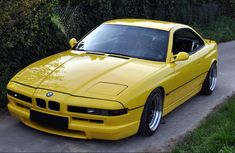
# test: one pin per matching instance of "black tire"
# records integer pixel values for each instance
(152, 113)
(210, 82)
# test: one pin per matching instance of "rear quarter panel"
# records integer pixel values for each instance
(209, 54)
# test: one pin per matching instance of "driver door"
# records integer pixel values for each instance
(187, 75)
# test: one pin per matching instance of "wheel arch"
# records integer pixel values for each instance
(214, 61)
(162, 90)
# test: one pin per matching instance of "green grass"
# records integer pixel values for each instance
(221, 30)
(214, 134)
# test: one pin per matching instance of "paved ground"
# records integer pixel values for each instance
(14, 136)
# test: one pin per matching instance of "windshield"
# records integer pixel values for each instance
(137, 42)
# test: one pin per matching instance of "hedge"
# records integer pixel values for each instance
(27, 34)
(80, 16)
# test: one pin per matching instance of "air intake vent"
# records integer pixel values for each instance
(19, 96)
(41, 103)
(54, 105)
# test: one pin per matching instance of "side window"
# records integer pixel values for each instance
(186, 40)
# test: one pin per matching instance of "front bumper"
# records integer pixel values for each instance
(84, 126)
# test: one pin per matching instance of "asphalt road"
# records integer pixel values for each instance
(14, 136)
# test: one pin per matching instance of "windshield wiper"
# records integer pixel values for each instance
(81, 50)
(96, 53)
(110, 53)
(119, 55)
(91, 52)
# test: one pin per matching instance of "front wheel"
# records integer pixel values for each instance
(152, 113)
(210, 82)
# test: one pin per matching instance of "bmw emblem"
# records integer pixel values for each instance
(49, 94)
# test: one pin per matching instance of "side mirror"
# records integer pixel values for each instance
(73, 42)
(181, 56)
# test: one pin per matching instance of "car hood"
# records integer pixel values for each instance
(87, 75)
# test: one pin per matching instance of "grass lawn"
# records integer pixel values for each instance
(215, 134)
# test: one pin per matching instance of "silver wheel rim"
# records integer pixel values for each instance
(155, 112)
(213, 78)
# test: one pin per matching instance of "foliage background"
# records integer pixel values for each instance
(201, 14)
(31, 30)
(27, 34)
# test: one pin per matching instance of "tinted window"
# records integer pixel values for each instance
(186, 40)
(130, 41)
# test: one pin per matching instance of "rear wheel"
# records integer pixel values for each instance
(152, 113)
(210, 82)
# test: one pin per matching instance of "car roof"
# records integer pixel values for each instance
(154, 24)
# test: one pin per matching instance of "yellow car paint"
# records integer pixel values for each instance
(104, 82)
(154, 24)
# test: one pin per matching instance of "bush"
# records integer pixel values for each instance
(27, 34)
(221, 30)
(87, 14)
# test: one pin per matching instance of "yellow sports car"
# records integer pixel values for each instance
(118, 80)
